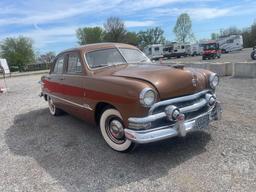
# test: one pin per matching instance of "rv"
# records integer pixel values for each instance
(154, 52)
(196, 49)
(231, 43)
(176, 50)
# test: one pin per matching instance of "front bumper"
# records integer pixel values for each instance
(179, 128)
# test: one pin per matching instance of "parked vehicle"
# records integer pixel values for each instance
(154, 52)
(253, 54)
(132, 100)
(211, 50)
(196, 49)
(175, 50)
(4, 66)
(230, 43)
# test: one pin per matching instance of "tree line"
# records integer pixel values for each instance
(114, 30)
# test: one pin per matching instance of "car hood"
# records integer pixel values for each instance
(169, 81)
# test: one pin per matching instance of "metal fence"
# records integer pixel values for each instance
(38, 66)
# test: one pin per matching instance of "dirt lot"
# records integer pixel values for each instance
(237, 56)
(39, 152)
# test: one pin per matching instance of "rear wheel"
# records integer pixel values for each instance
(52, 108)
(253, 55)
(112, 130)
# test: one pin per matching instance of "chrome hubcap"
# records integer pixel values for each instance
(115, 130)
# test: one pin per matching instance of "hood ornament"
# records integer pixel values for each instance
(194, 81)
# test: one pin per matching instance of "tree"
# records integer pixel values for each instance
(230, 31)
(132, 38)
(88, 35)
(18, 52)
(47, 57)
(114, 30)
(214, 36)
(151, 36)
(183, 28)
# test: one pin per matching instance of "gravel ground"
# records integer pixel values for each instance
(236, 56)
(39, 152)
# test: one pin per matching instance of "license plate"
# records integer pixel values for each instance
(202, 122)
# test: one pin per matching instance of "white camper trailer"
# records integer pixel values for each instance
(196, 49)
(154, 52)
(231, 43)
(176, 50)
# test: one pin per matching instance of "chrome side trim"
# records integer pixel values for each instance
(176, 100)
(85, 106)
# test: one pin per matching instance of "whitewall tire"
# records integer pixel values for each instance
(52, 108)
(112, 130)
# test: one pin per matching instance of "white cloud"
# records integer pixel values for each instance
(43, 37)
(40, 13)
(199, 13)
(131, 24)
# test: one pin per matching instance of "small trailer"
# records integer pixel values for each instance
(176, 50)
(196, 49)
(230, 43)
(154, 52)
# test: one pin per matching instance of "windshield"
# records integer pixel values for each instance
(134, 55)
(112, 56)
(212, 46)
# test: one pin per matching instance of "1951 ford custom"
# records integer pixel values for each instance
(132, 100)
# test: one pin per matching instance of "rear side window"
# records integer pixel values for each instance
(74, 64)
(58, 67)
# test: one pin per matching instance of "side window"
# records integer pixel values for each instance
(58, 67)
(74, 64)
(157, 49)
(150, 51)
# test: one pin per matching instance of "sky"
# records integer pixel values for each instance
(52, 23)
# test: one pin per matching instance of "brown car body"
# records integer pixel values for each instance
(86, 94)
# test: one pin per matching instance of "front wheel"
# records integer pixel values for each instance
(253, 55)
(112, 130)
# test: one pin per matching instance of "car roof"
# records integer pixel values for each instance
(96, 46)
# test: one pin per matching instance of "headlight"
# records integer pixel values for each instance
(214, 81)
(147, 97)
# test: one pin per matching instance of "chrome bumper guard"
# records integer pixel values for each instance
(179, 128)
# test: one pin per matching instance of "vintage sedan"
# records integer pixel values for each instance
(132, 100)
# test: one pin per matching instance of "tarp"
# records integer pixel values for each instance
(4, 65)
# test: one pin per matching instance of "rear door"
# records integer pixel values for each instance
(73, 80)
